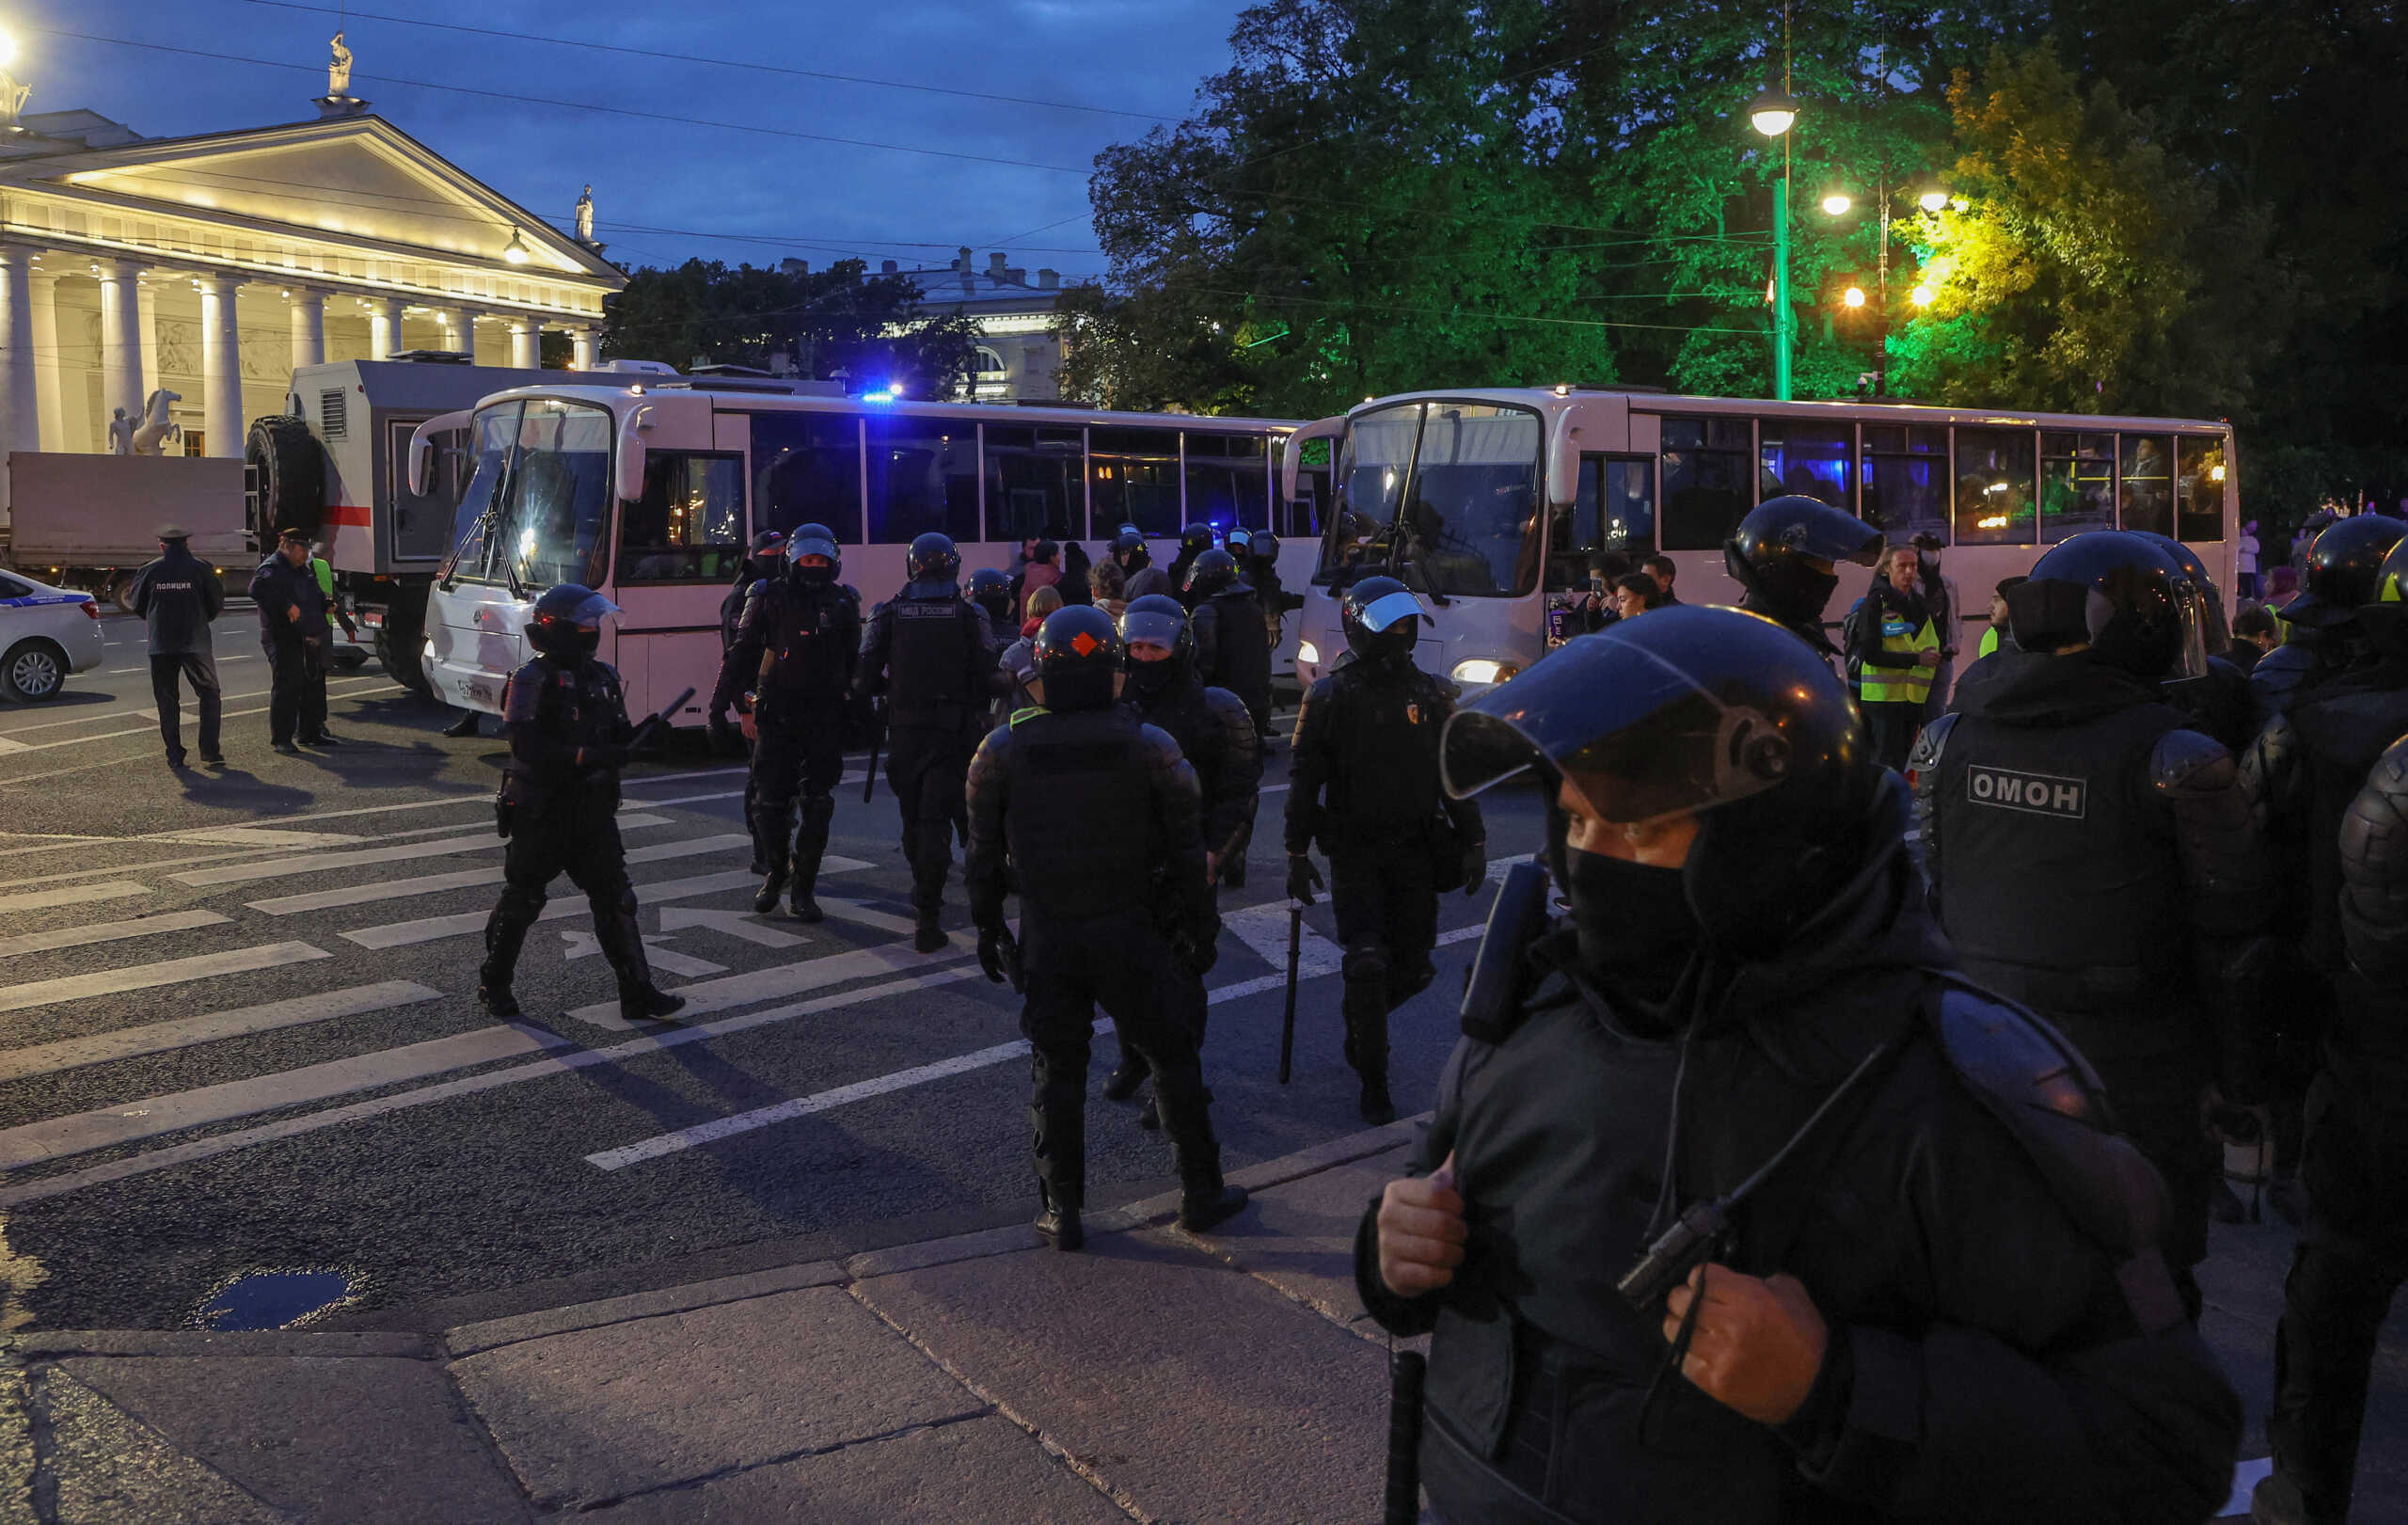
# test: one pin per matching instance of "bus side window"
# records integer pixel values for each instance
(2198, 490)
(1707, 476)
(807, 470)
(688, 526)
(2145, 486)
(923, 476)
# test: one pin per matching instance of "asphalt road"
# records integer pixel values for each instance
(237, 1030)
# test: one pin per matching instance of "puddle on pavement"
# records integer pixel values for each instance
(275, 1300)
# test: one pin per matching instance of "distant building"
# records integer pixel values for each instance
(1017, 352)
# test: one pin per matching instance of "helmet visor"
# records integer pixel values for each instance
(1161, 629)
(2190, 660)
(1386, 609)
(590, 609)
(813, 547)
(1633, 732)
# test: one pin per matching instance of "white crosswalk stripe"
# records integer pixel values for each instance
(146, 976)
(245, 873)
(108, 931)
(184, 1032)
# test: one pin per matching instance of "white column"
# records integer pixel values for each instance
(457, 332)
(582, 348)
(221, 365)
(20, 406)
(385, 328)
(526, 344)
(122, 383)
(48, 405)
(145, 304)
(308, 327)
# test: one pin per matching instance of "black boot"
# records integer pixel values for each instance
(810, 845)
(505, 934)
(639, 1000)
(1377, 1105)
(770, 820)
(766, 900)
(1125, 1078)
(1204, 1199)
(465, 726)
(1057, 1220)
(927, 937)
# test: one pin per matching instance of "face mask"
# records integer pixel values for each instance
(587, 642)
(1150, 680)
(1633, 920)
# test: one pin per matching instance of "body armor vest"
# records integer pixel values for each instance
(813, 636)
(2341, 731)
(1384, 725)
(928, 663)
(1081, 822)
(1241, 646)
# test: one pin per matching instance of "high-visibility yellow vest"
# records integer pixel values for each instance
(1900, 685)
(1990, 643)
(325, 577)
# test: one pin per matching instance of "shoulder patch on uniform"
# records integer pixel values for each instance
(1031, 712)
(2184, 760)
(2036, 794)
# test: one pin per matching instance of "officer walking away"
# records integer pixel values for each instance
(1217, 737)
(2093, 857)
(567, 724)
(1786, 556)
(1232, 643)
(2343, 564)
(1262, 569)
(930, 652)
(1094, 902)
(2332, 779)
(1938, 1298)
(1364, 785)
(177, 597)
(292, 634)
(1193, 540)
(796, 647)
(764, 558)
(1895, 649)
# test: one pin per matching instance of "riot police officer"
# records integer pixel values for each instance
(2343, 562)
(2218, 703)
(1137, 565)
(1097, 812)
(794, 655)
(765, 560)
(1365, 786)
(929, 651)
(2093, 857)
(1232, 644)
(1785, 556)
(2328, 778)
(568, 731)
(1217, 738)
(990, 589)
(1193, 540)
(1942, 1302)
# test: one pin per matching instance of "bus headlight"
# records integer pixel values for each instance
(1480, 670)
(1308, 652)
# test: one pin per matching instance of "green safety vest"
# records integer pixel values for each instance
(1990, 643)
(1900, 685)
(325, 577)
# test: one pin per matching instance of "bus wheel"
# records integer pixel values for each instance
(398, 649)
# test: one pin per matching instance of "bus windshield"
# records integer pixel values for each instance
(1446, 494)
(537, 509)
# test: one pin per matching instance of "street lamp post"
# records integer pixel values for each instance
(1773, 115)
(1931, 198)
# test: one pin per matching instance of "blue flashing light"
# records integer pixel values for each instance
(877, 397)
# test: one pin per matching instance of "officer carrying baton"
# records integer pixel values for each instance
(657, 719)
(1288, 1021)
(876, 736)
(1401, 1502)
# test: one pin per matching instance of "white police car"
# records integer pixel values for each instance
(45, 633)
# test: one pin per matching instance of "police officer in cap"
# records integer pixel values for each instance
(1906, 1267)
(177, 597)
(568, 726)
(1786, 556)
(1365, 786)
(1232, 644)
(2330, 779)
(1097, 813)
(2218, 702)
(795, 648)
(2093, 857)
(1217, 737)
(929, 651)
(1193, 540)
(2343, 564)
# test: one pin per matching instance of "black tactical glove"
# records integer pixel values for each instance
(1303, 878)
(611, 757)
(1475, 867)
(998, 955)
(1197, 949)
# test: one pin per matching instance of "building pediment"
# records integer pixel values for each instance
(350, 179)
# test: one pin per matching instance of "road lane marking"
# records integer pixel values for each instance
(244, 873)
(728, 923)
(21, 779)
(434, 929)
(784, 979)
(146, 976)
(108, 931)
(579, 943)
(556, 1064)
(260, 837)
(1264, 928)
(81, 1131)
(73, 895)
(405, 932)
(184, 1032)
(191, 710)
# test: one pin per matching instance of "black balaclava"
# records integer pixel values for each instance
(1151, 680)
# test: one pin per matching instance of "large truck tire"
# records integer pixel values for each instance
(401, 637)
(290, 478)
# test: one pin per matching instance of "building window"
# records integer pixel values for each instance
(990, 365)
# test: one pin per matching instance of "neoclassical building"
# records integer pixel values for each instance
(212, 266)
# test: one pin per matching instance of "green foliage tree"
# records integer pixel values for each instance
(836, 321)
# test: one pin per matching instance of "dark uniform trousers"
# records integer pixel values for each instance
(799, 749)
(200, 668)
(1121, 963)
(928, 763)
(573, 831)
(1387, 923)
(296, 705)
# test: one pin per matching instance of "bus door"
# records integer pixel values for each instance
(674, 562)
(1615, 510)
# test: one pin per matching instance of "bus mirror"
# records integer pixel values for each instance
(1291, 455)
(422, 456)
(1563, 463)
(630, 467)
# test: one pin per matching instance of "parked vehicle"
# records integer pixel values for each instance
(45, 633)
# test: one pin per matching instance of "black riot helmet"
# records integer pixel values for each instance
(2217, 629)
(2385, 617)
(1160, 619)
(1211, 571)
(815, 540)
(1264, 547)
(1078, 660)
(1783, 554)
(1239, 541)
(567, 622)
(1704, 711)
(2344, 565)
(1129, 549)
(990, 589)
(1382, 618)
(2121, 595)
(1196, 539)
(932, 559)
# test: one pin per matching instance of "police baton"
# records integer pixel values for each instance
(1288, 1021)
(653, 722)
(869, 778)
(1402, 1502)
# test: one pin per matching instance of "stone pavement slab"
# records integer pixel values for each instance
(978, 1471)
(105, 1465)
(1299, 1236)
(372, 1440)
(1185, 1390)
(469, 1339)
(599, 1414)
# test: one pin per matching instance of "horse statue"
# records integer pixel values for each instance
(151, 434)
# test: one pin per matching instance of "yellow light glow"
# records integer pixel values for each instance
(1836, 204)
(1997, 521)
(1773, 117)
(1853, 296)
(1932, 200)
(2215, 473)
(1922, 294)
(8, 50)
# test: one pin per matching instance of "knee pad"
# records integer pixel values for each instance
(1408, 980)
(818, 809)
(1368, 962)
(627, 900)
(521, 903)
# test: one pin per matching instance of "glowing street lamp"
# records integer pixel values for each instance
(1836, 204)
(1853, 296)
(1773, 115)
(1932, 199)
(1922, 294)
